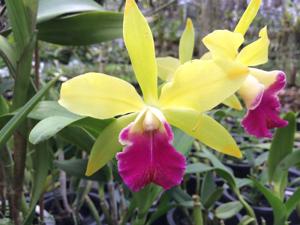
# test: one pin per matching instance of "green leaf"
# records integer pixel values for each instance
(77, 168)
(3, 105)
(49, 9)
(182, 141)
(279, 209)
(228, 210)
(163, 207)
(21, 115)
(45, 109)
(82, 29)
(246, 220)
(42, 161)
(292, 202)
(181, 196)
(289, 161)
(282, 145)
(198, 168)
(78, 137)
(19, 21)
(213, 197)
(48, 127)
(107, 144)
(143, 203)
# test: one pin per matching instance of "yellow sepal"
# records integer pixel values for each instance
(100, 96)
(248, 17)
(140, 45)
(187, 41)
(233, 102)
(205, 129)
(223, 43)
(256, 53)
(167, 67)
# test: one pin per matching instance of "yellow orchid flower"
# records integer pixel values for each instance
(142, 126)
(260, 89)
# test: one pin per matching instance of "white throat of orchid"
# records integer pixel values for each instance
(149, 119)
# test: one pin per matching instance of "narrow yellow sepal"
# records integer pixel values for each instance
(205, 129)
(233, 102)
(248, 17)
(166, 67)
(100, 96)
(187, 41)
(256, 53)
(140, 45)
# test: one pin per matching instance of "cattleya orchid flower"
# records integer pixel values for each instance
(143, 124)
(260, 89)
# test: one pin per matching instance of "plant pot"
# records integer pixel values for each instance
(240, 170)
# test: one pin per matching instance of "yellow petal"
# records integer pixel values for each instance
(251, 92)
(139, 43)
(187, 41)
(100, 96)
(256, 53)
(206, 56)
(233, 102)
(248, 17)
(107, 144)
(223, 43)
(202, 84)
(167, 67)
(205, 129)
(265, 77)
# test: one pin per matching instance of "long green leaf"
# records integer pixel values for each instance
(279, 209)
(182, 141)
(49, 9)
(282, 145)
(77, 167)
(78, 137)
(21, 115)
(289, 161)
(292, 202)
(228, 210)
(48, 127)
(42, 160)
(20, 23)
(82, 29)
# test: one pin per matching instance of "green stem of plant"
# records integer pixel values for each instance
(141, 219)
(247, 207)
(93, 209)
(197, 211)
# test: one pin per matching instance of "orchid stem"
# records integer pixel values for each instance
(197, 211)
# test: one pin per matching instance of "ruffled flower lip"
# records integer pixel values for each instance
(149, 157)
(265, 116)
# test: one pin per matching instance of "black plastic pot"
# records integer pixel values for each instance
(241, 170)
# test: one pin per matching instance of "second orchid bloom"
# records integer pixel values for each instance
(143, 123)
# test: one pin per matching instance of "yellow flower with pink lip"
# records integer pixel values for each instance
(142, 125)
(260, 89)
